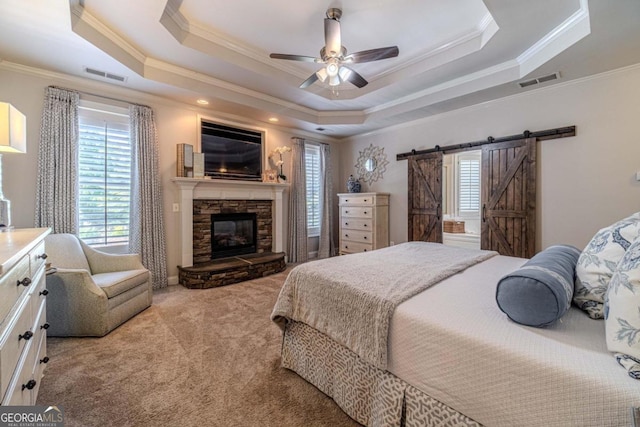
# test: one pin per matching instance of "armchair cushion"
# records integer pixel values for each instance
(118, 282)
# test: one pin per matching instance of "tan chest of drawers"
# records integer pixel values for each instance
(22, 315)
(364, 221)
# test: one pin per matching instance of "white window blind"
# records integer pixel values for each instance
(104, 177)
(312, 169)
(468, 186)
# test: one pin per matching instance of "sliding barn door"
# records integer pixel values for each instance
(425, 197)
(509, 197)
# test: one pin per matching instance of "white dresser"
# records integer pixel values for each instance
(364, 221)
(23, 337)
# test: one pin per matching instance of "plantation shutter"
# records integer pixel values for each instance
(468, 186)
(104, 177)
(312, 169)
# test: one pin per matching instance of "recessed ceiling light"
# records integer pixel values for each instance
(273, 119)
(202, 102)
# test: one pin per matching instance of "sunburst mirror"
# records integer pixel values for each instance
(372, 164)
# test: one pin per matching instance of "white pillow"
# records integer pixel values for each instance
(598, 262)
(622, 311)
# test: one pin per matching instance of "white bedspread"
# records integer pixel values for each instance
(352, 298)
(452, 342)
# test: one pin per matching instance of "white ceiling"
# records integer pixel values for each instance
(453, 53)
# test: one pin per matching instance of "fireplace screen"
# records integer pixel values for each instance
(233, 234)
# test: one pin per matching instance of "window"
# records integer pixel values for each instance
(104, 174)
(468, 177)
(312, 169)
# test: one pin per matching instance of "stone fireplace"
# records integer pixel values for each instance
(227, 196)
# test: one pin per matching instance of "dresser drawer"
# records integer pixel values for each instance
(356, 212)
(10, 291)
(352, 247)
(38, 258)
(357, 199)
(357, 236)
(13, 341)
(357, 224)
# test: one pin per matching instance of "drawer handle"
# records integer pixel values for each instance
(365, 250)
(365, 200)
(45, 292)
(44, 359)
(43, 256)
(30, 385)
(346, 247)
(346, 212)
(27, 336)
(365, 225)
(365, 212)
(346, 223)
(24, 282)
(346, 200)
(365, 237)
(45, 326)
(346, 235)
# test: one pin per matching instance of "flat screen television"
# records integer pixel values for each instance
(230, 152)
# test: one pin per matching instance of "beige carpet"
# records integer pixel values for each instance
(195, 358)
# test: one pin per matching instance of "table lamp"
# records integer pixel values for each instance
(13, 139)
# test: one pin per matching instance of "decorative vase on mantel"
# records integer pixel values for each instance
(353, 185)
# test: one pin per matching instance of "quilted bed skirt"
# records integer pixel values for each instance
(369, 395)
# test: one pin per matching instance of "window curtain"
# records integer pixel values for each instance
(146, 228)
(297, 238)
(326, 245)
(57, 186)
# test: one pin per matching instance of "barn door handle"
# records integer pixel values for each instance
(484, 213)
(438, 212)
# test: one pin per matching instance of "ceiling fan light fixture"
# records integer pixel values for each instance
(332, 69)
(334, 80)
(322, 75)
(344, 73)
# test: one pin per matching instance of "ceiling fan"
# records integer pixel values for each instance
(334, 55)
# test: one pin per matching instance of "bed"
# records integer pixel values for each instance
(451, 357)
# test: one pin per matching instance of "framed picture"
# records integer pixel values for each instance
(270, 175)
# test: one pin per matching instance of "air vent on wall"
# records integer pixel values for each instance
(104, 74)
(538, 80)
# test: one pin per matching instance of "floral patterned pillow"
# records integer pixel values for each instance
(598, 262)
(622, 311)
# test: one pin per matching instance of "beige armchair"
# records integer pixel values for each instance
(92, 292)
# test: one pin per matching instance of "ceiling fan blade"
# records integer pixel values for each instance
(292, 57)
(353, 77)
(373, 54)
(311, 80)
(332, 40)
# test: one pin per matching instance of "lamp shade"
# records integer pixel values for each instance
(13, 129)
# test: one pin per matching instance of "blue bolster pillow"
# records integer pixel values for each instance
(540, 292)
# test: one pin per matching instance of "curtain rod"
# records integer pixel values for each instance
(539, 135)
(98, 96)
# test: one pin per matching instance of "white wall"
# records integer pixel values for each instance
(176, 122)
(584, 183)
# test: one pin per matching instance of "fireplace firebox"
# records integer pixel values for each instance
(233, 234)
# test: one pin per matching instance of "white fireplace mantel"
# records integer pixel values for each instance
(219, 189)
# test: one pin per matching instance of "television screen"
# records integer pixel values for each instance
(231, 153)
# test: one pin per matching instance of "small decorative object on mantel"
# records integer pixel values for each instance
(372, 164)
(353, 185)
(198, 165)
(270, 175)
(184, 160)
(279, 162)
